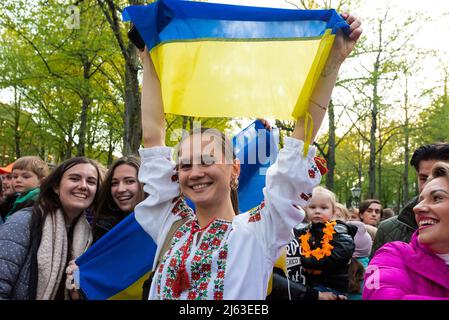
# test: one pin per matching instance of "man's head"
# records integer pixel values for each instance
(370, 212)
(425, 157)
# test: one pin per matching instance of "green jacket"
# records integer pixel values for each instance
(24, 200)
(397, 228)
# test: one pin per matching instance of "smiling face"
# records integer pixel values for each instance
(125, 188)
(24, 180)
(372, 214)
(205, 172)
(320, 208)
(77, 189)
(432, 215)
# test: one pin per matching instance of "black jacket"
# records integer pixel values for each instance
(285, 289)
(397, 228)
(6, 206)
(105, 224)
(331, 271)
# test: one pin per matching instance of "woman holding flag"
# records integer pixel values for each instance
(217, 253)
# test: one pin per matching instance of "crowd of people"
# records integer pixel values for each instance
(300, 243)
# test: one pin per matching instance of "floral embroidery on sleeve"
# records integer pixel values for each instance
(305, 196)
(254, 213)
(181, 208)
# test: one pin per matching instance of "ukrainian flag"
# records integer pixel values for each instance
(217, 60)
(116, 266)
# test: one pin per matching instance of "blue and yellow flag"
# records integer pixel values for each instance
(116, 266)
(217, 60)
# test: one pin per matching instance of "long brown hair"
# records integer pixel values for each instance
(356, 274)
(228, 152)
(106, 206)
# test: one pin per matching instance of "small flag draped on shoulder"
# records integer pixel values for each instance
(217, 60)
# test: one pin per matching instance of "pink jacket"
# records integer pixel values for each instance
(406, 271)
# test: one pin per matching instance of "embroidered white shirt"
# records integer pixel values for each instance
(232, 259)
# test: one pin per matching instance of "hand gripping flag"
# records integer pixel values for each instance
(116, 266)
(217, 60)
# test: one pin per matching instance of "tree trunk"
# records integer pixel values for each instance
(17, 124)
(374, 113)
(405, 191)
(379, 166)
(184, 123)
(191, 123)
(360, 163)
(372, 153)
(379, 176)
(69, 143)
(132, 132)
(81, 148)
(68, 149)
(86, 100)
(331, 149)
(110, 146)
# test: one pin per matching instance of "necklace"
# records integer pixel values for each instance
(326, 249)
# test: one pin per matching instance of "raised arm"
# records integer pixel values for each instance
(321, 96)
(153, 117)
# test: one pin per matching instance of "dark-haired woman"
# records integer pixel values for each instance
(36, 244)
(118, 195)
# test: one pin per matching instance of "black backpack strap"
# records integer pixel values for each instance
(147, 283)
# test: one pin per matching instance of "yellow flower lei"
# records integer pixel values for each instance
(326, 249)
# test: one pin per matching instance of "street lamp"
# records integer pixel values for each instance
(355, 191)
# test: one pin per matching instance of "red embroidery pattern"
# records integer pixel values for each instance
(313, 170)
(202, 261)
(305, 197)
(321, 164)
(201, 264)
(221, 267)
(254, 213)
(181, 208)
(311, 173)
(174, 262)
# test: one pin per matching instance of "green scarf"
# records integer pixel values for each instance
(30, 195)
